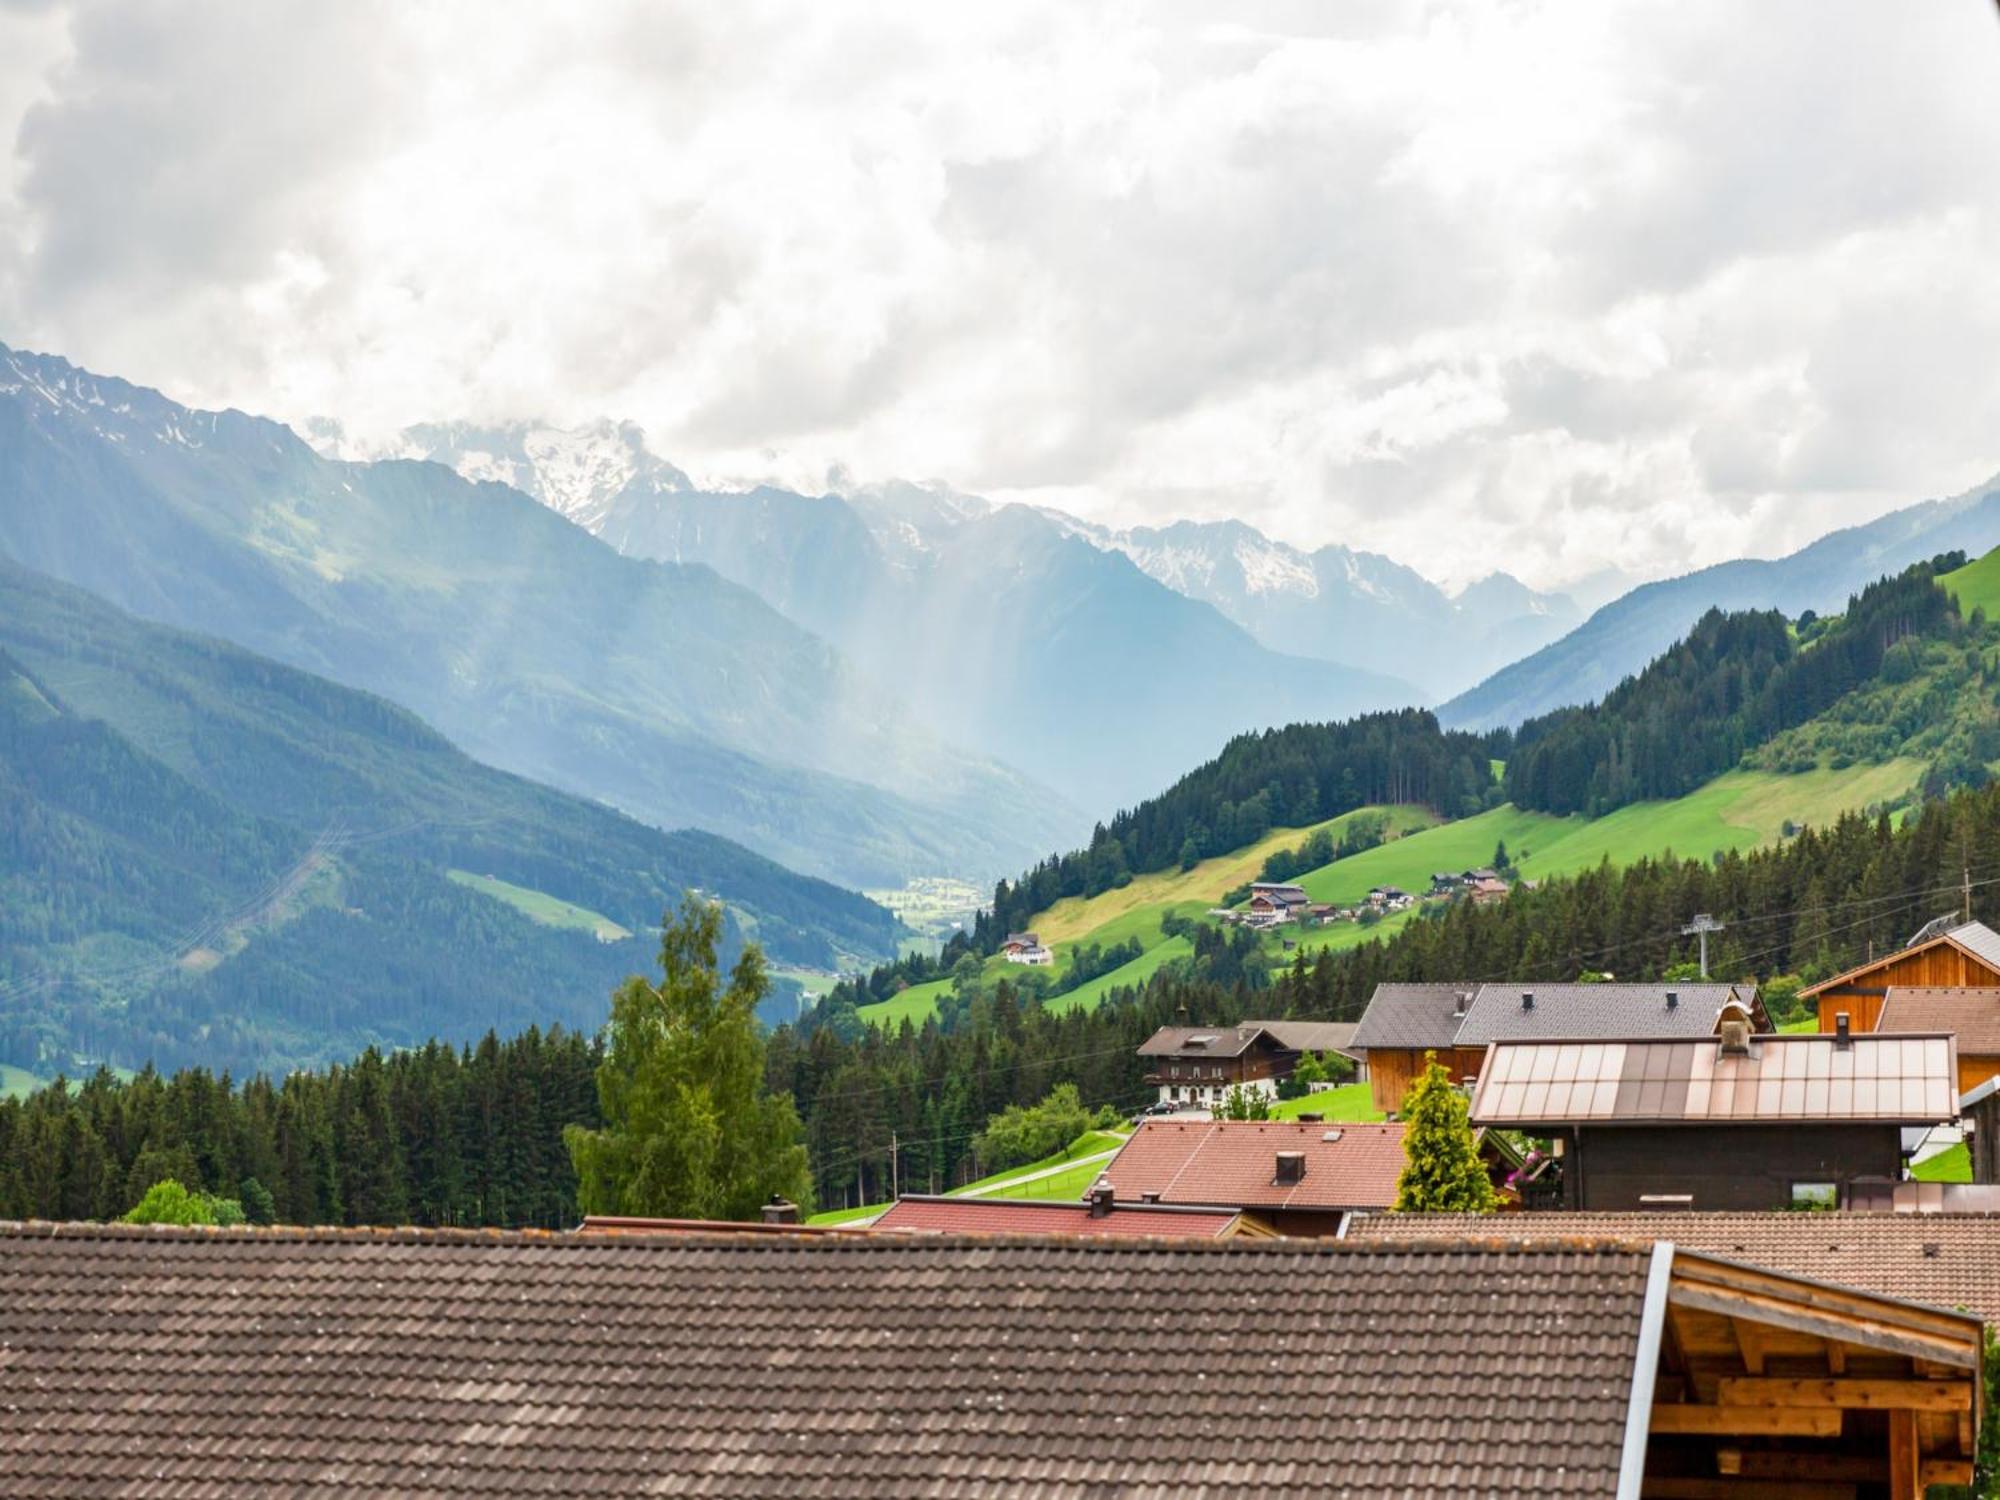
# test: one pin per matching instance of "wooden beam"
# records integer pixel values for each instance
(1836, 1357)
(1745, 1489)
(1749, 1344)
(1965, 1430)
(1944, 1471)
(1768, 1421)
(1905, 1456)
(1859, 1468)
(1961, 1352)
(1692, 1270)
(1884, 1395)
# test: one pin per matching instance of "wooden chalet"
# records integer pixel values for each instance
(1738, 1121)
(267, 1363)
(1965, 955)
(1457, 1022)
(1197, 1066)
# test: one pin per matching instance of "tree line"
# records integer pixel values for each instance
(437, 1135)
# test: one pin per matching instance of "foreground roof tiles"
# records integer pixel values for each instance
(1804, 1076)
(932, 1215)
(203, 1364)
(1945, 1260)
(1234, 1162)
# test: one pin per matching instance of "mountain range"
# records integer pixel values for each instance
(660, 688)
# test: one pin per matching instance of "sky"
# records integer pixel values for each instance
(1547, 287)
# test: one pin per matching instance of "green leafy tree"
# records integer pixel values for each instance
(169, 1202)
(1244, 1105)
(690, 1130)
(1018, 1134)
(1442, 1172)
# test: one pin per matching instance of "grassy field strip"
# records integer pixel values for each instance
(1350, 1103)
(1409, 862)
(540, 907)
(17, 1083)
(1976, 585)
(1054, 1182)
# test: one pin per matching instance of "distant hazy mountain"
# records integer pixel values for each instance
(661, 689)
(1004, 628)
(1630, 631)
(1356, 609)
(1341, 605)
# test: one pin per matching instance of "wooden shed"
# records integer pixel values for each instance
(1966, 955)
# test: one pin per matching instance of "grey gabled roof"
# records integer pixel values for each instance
(1310, 1036)
(1981, 941)
(1627, 1012)
(1412, 1015)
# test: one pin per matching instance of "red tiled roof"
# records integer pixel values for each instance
(1234, 1162)
(1011, 1216)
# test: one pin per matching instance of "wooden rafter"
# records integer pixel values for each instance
(1765, 1421)
(1885, 1395)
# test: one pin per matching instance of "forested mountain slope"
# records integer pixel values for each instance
(661, 689)
(1624, 635)
(210, 856)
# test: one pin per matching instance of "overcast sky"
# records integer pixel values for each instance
(1542, 287)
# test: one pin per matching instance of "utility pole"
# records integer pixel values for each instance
(1965, 872)
(1702, 925)
(895, 1176)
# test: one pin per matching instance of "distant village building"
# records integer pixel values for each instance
(1272, 902)
(1197, 1066)
(1026, 948)
(1734, 1121)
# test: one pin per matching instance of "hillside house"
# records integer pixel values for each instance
(1964, 955)
(1736, 1121)
(1197, 1066)
(1302, 1179)
(1319, 1037)
(1459, 1021)
(1388, 898)
(1486, 890)
(1026, 948)
(1271, 903)
(496, 1363)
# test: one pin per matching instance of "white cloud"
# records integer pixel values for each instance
(1550, 285)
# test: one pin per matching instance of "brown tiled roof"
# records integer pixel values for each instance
(1944, 1260)
(1234, 1162)
(257, 1363)
(1203, 1041)
(1013, 1216)
(1804, 1076)
(1310, 1036)
(1973, 1016)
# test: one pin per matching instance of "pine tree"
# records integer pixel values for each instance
(1442, 1173)
(689, 1128)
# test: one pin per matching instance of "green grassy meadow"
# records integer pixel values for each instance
(17, 1083)
(1976, 585)
(1350, 1102)
(1953, 1164)
(538, 906)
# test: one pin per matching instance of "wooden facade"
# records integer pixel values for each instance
(1939, 963)
(1392, 1072)
(1614, 1168)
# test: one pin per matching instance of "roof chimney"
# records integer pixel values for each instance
(1843, 1036)
(1291, 1167)
(1458, 1002)
(1527, 999)
(1673, 999)
(1102, 1197)
(781, 1211)
(1735, 1032)
(1150, 1197)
